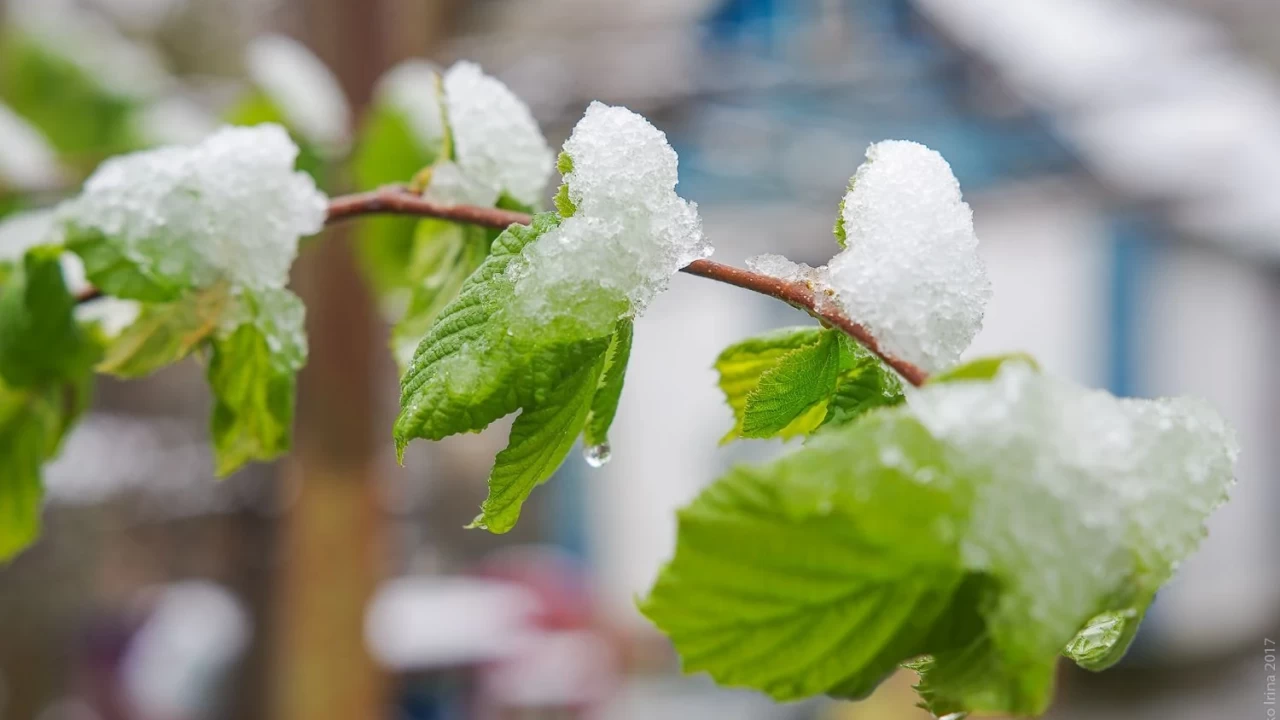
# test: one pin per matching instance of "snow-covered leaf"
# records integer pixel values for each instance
(253, 370)
(629, 232)
(496, 141)
(475, 366)
(910, 271)
(154, 224)
(164, 333)
(972, 532)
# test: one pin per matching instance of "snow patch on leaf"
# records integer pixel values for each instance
(231, 207)
(911, 273)
(629, 233)
(496, 140)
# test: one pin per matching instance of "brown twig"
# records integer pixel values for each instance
(801, 295)
(397, 200)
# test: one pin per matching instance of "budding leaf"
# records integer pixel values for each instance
(164, 333)
(864, 384)
(253, 375)
(796, 388)
(40, 341)
(791, 381)
(742, 365)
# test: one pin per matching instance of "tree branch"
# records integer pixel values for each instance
(397, 200)
(801, 295)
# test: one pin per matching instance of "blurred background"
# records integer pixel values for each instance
(1122, 158)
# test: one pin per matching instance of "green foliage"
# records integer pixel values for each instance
(564, 204)
(800, 383)
(387, 152)
(541, 438)
(85, 121)
(252, 372)
(473, 368)
(604, 405)
(789, 382)
(863, 385)
(45, 378)
(842, 235)
(164, 333)
(444, 256)
(40, 341)
(821, 572)
(982, 368)
(32, 424)
(818, 573)
(116, 273)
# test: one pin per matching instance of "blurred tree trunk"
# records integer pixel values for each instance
(333, 538)
(332, 545)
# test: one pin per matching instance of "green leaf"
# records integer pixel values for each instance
(996, 544)
(983, 368)
(791, 381)
(564, 204)
(119, 275)
(541, 438)
(864, 385)
(469, 370)
(604, 405)
(474, 367)
(85, 120)
(40, 341)
(32, 425)
(818, 573)
(842, 235)
(742, 365)
(164, 333)
(253, 375)
(799, 384)
(966, 671)
(387, 152)
(445, 255)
